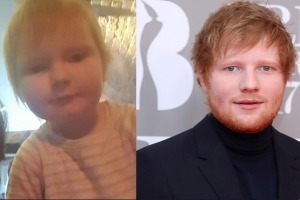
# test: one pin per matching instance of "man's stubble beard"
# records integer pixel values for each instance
(248, 124)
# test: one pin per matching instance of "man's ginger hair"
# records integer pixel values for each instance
(241, 25)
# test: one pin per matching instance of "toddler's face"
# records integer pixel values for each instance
(61, 80)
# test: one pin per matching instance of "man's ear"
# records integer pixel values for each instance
(201, 80)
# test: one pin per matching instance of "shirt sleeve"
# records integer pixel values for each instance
(124, 119)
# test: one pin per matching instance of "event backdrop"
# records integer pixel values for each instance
(169, 100)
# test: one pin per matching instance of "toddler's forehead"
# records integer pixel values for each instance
(56, 27)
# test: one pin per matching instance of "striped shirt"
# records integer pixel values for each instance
(98, 166)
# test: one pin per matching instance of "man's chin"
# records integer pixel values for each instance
(246, 126)
(249, 130)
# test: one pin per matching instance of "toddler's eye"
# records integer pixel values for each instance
(38, 68)
(76, 58)
(35, 69)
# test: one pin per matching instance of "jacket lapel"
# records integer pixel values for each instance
(214, 163)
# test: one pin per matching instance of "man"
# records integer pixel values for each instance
(243, 57)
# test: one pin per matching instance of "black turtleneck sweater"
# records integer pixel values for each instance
(254, 160)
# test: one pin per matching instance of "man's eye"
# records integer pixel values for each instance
(231, 68)
(266, 68)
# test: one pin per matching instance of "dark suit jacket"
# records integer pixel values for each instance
(195, 165)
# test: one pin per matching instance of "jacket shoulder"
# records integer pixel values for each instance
(287, 142)
(168, 146)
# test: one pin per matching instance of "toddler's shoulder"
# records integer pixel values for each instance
(123, 116)
(121, 111)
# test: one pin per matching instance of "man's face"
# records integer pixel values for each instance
(245, 89)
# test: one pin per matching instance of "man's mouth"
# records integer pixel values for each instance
(248, 104)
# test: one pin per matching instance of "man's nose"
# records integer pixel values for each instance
(249, 81)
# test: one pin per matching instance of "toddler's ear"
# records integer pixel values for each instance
(21, 97)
